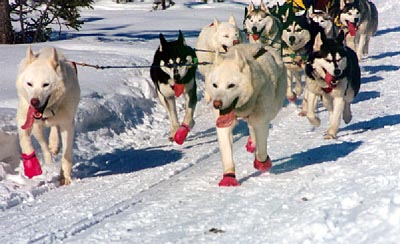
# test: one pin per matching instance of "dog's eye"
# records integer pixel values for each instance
(45, 84)
(29, 84)
(231, 86)
(215, 85)
(226, 36)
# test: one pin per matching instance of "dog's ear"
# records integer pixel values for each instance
(181, 39)
(163, 41)
(264, 7)
(54, 59)
(319, 40)
(216, 22)
(251, 7)
(246, 11)
(310, 12)
(239, 60)
(232, 20)
(30, 57)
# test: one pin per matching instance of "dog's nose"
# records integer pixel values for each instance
(356, 20)
(292, 39)
(337, 72)
(217, 104)
(254, 29)
(35, 102)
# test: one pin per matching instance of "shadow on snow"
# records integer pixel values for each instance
(325, 153)
(374, 124)
(126, 161)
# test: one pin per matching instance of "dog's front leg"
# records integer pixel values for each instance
(299, 86)
(170, 106)
(38, 132)
(312, 105)
(190, 103)
(289, 90)
(334, 120)
(54, 140)
(361, 46)
(260, 127)
(67, 138)
(225, 146)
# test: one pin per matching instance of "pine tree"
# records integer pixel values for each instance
(6, 36)
(35, 16)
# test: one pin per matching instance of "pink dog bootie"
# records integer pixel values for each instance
(31, 165)
(263, 166)
(229, 179)
(250, 146)
(181, 134)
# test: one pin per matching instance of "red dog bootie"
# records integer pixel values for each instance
(250, 146)
(263, 166)
(229, 179)
(181, 133)
(31, 165)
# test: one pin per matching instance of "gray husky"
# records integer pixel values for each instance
(261, 26)
(359, 20)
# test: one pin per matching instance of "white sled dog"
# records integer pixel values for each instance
(359, 19)
(49, 93)
(248, 82)
(219, 36)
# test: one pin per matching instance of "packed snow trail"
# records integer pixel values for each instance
(133, 186)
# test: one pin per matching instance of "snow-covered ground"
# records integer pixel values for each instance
(131, 185)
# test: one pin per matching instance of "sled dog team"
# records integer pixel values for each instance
(248, 74)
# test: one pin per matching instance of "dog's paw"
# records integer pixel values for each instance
(181, 134)
(31, 165)
(229, 179)
(292, 98)
(347, 118)
(329, 136)
(54, 150)
(315, 121)
(263, 166)
(64, 180)
(250, 146)
(302, 113)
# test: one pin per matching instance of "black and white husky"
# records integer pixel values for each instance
(333, 73)
(173, 73)
(359, 19)
(261, 26)
(297, 43)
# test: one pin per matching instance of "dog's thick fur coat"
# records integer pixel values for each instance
(48, 84)
(173, 73)
(333, 73)
(219, 36)
(248, 82)
(359, 20)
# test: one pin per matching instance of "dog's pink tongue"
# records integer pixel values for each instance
(256, 37)
(328, 78)
(178, 89)
(226, 120)
(30, 118)
(352, 29)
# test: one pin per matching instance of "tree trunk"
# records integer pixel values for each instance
(6, 36)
